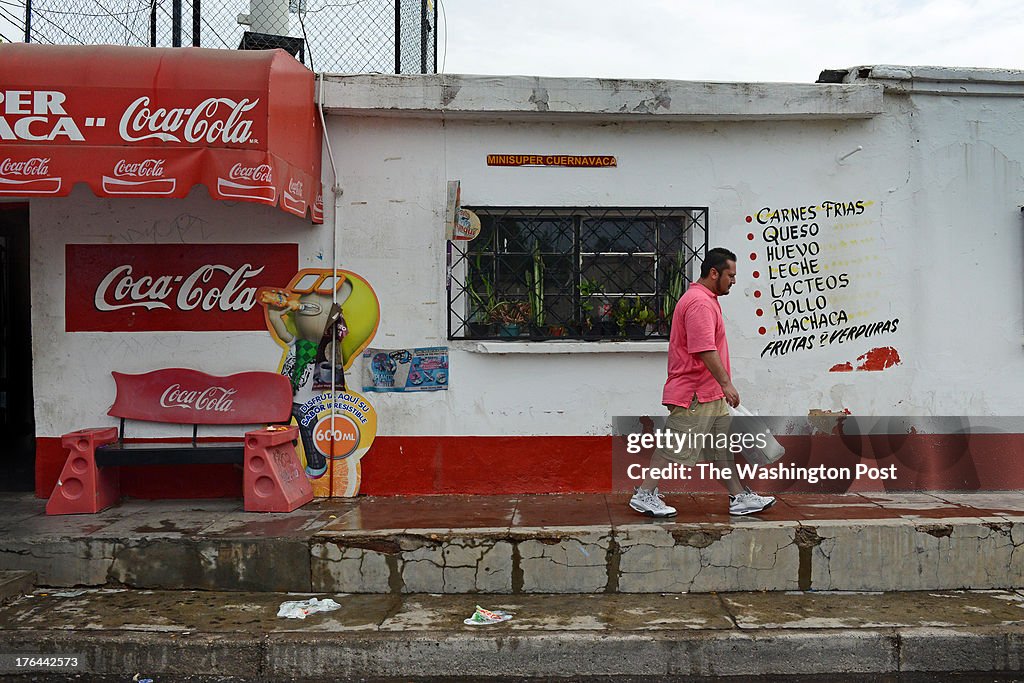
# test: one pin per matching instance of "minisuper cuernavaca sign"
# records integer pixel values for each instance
(147, 122)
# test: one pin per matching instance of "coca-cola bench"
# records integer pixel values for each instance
(273, 480)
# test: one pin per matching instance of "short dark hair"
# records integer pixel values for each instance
(716, 259)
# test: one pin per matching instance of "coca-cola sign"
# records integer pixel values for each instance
(122, 289)
(148, 168)
(259, 174)
(214, 120)
(242, 125)
(33, 167)
(184, 396)
(155, 287)
(214, 398)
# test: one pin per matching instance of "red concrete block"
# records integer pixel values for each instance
(83, 487)
(273, 478)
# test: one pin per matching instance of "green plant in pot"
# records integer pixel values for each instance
(674, 289)
(633, 319)
(482, 301)
(535, 291)
(510, 316)
(589, 292)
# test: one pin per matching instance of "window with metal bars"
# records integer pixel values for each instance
(579, 273)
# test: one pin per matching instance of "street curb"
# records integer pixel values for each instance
(354, 655)
(15, 583)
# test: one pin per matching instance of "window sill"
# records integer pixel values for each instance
(556, 346)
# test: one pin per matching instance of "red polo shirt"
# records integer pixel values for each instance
(697, 326)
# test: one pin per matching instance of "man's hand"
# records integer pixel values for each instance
(732, 397)
(713, 362)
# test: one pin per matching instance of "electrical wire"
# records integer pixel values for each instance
(331, 5)
(126, 27)
(79, 14)
(219, 37)
(58, 27)
(18, 23)
(305, 40)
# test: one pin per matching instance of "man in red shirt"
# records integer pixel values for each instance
(698, 389)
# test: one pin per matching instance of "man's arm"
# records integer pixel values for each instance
(713, 362)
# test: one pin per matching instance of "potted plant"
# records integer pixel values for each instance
(589, 315)
(633, 319)
(673, 292)
(510, 316)
(482, 303)
(535, 292)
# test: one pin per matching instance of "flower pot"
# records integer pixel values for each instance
(508, 329)
(479, 330)
(636, 331)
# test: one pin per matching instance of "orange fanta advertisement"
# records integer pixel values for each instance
(323, 319)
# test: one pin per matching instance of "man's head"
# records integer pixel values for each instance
(718, 272)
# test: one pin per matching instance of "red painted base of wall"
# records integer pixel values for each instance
(417, 465)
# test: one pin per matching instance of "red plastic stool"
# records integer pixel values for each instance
(83, 487)
(273, 480)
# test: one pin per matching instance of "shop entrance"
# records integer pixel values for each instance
(17, 422)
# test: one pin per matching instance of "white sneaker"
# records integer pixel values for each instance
(649, 503)
(748, 502)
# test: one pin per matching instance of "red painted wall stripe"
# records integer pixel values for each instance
(422, 465)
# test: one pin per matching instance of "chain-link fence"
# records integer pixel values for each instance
(357, 36)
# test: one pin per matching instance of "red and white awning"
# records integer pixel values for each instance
(154, 122)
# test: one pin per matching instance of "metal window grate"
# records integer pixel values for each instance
(582, 273)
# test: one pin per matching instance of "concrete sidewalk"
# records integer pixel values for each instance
(569, 543)
(167, 635)
(175, 590)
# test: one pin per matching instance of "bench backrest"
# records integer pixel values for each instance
(184, 396)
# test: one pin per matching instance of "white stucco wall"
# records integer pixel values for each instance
(938, 246)
(71, 371)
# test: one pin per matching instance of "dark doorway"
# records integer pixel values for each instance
(17, 422)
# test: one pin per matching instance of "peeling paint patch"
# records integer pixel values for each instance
(875, 360)
(879, 359)
(539, 98)
(938, 530)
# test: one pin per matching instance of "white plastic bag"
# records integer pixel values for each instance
(746, 422)
(300, 609)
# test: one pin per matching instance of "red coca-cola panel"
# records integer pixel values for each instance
(151, 122)
(172, 287)
(184, 396)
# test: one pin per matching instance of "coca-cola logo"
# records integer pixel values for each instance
(121, 289)
(215, 119)
(261, 173)
(295, 187)
(36, 166)
(212, 399)
(150, 168)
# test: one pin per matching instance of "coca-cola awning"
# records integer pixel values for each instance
(154, 122)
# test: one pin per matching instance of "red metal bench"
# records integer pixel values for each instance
(273, 480)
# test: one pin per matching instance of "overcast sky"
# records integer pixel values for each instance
(724, 40)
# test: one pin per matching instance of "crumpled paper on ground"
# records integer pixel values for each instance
(300, 609)
(482, 617)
